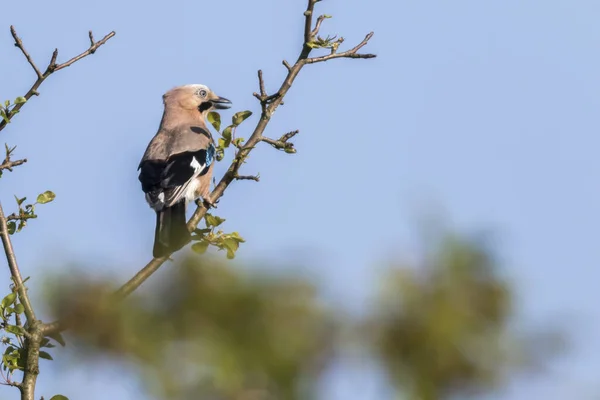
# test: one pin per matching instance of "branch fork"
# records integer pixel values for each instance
(51, 68)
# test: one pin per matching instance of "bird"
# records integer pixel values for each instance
(177, 166)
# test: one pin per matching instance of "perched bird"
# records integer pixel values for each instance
(177, 165)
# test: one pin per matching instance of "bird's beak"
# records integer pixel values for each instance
(221, 103)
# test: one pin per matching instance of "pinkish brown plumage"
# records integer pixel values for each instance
(177, 165)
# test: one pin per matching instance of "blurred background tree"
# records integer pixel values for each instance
(441, 330)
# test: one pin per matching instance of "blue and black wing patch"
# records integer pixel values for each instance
(165, 182)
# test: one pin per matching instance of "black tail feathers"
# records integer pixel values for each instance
(171, 232)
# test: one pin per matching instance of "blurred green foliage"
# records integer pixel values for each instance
(444, 330)
(441, 330)
(207, 330)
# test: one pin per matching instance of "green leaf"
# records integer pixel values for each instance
(19, 309)
(200, 247)
(238, 141)
(45, 355)
(3, 114)
(213, 220)
(231, 244)
(20, 201)
(15, 330)
(221, 144)
(46, 197)
(215, 119)
(220, 154)
(7, 103)
(58, 337)
(236, 236)
(227, 135)
(20, 100)
(9, 299)
(240, 116)
(59, 397)
(327, 16)
(12, 227)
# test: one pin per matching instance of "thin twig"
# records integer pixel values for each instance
(279, 145)
(352, 53)
(255, 178)
(142, 275)
(287, 65)
(86, 53)
(289, 135)
(261, 83)
(315, 31)
(282, 143)
(52, 67)
(19, 44)
(9, 165)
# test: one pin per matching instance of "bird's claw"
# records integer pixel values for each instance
(208, 204)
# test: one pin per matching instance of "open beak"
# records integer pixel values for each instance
(221, 103)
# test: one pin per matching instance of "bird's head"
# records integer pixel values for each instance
(195, 97)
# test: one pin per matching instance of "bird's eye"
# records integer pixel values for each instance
(202, 93)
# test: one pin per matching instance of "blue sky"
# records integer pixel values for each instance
(483, 112)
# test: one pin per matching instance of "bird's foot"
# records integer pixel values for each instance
(207, 203)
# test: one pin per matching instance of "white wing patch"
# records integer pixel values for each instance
(196, 165)
(192, 185)
(187, 190)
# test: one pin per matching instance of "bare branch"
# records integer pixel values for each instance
(261, 84)
(92, 42)
(93, 47)
(282, 143)
(52, 67)
(19, 44)
(289, 135)
(255, 178)
(352, 53)
(308, 14)
(9, 165)
(263, 93)
(315, 31)
(287, 65)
